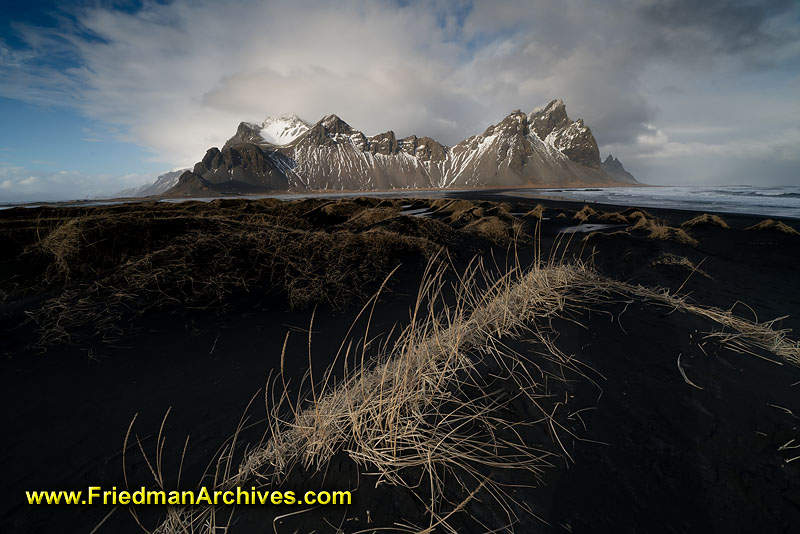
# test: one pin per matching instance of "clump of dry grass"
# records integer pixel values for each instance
(705, 220)
(492, 228)
(614, 218)
(585, 213)
(425, 404)
(537, 212)
(460, 212)
(659, 230)
(775, 226)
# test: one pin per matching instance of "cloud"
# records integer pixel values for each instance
(20, 184)
(177, 78)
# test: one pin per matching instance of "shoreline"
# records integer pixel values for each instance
(498, 194)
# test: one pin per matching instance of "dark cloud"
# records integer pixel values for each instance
(703, 28)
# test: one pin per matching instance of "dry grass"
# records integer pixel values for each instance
(614, 218)
(493, 228)
(657, 229)
(585, 213)
(682, 262)
(537, 212)
(104, 268)
(706, 220)
(775, 226)
(426, 404)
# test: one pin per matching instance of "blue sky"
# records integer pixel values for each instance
(99, 96)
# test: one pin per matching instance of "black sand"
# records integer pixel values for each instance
(658, 455)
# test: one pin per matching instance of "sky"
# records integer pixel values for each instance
(99, 96)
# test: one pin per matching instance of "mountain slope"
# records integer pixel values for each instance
(544, 147)
(162, 184)
(613, 167)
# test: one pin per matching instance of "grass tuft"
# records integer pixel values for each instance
(775, 226)
(705, 220)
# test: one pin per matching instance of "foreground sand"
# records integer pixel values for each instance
(136, 309)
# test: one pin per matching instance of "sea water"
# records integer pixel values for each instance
(783, 201)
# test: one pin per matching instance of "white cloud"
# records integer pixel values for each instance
(177, 78)
(19, 184)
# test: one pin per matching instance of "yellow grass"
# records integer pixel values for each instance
(776, 226)
(387, 414)
(705, 220)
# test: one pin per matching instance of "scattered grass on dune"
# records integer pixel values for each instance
(101, 269)
(657, 229)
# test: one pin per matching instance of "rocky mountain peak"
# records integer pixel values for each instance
(334, 125)
(247, 132)
(613, 167)
(552, 116)
(515, 123)
(385, 143)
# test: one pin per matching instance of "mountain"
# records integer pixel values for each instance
(283, 130)
(543, 147)
(163, 183)
(613, 167)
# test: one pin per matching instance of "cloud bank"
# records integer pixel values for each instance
(683, 92)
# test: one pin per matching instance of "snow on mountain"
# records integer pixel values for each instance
(283, 130)
(162, 184)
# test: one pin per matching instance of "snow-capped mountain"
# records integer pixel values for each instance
(283, 130)
(272, 132)
(544, 147)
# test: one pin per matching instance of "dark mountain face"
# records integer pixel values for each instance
(544, 147)
(190, 185)
(244, 165)
(613, 167)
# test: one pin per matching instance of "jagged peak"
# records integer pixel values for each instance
(552, 105)
(335, 125)
(331, 119)
(555, 104)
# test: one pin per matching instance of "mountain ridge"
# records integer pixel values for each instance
(541, 148)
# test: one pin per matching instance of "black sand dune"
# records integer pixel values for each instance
(657, 418)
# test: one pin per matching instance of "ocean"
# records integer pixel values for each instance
(781, 201)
